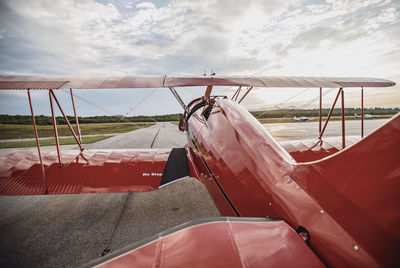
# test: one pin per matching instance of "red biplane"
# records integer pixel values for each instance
(308, 203)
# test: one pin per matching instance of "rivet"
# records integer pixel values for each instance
(289, 180)
(297, 187)
(270, 204)
(321, 211)
(356, 248)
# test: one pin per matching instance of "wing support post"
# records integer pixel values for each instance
(206, 98)
(55, 129)
(320, 110)
(362, 112)
(76, 117)
(66, 119)
(343, 122)
(38, 144)
(178, 98)
(208, 92)
(330, 113)
(245, 94)
(236, 95)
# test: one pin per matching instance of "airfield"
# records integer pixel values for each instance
(71, 230)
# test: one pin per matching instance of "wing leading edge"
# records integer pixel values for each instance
(98, 82)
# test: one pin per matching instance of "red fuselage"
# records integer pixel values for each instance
(249, 174)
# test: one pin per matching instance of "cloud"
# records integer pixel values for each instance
(146, 5)
(87, 34)
(254, 37)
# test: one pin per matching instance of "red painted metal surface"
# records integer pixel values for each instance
(313, 149)
(200, 171)
(346, 202)
(329, 198)
(364, 196)
(91, 171)
(79, 82)
(223, 244)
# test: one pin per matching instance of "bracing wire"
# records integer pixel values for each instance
(99, 107)
(88, 102)
(284, 102)
(138, 104)
(308, 103)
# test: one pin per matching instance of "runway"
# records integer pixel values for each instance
(71, 230)
(161, 135)
(309, 130)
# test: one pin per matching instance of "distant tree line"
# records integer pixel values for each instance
(315, 112)
(47, 120)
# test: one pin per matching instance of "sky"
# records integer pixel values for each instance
(183, 37)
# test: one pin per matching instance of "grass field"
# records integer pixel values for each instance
(26, 131)
(66, 141)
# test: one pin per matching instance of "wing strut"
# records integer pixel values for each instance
(330, 113)
(236, 95)
(37, 143)
(55, 129)
(66, 119)
(245, 94)
(76, 117)
(208, 91)
(320, 109)
(343, 122)
(178, 98)
(362, 112)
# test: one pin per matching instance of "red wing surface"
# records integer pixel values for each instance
(91, 171)
(78, 82)
(314, 149)
(220, 242)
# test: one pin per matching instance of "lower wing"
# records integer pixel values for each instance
(91, 171)
(219, 242)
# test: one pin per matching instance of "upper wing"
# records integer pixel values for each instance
(91, 171)
(79, 82)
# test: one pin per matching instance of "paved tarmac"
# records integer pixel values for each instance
(71, 230)
(161, 135)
